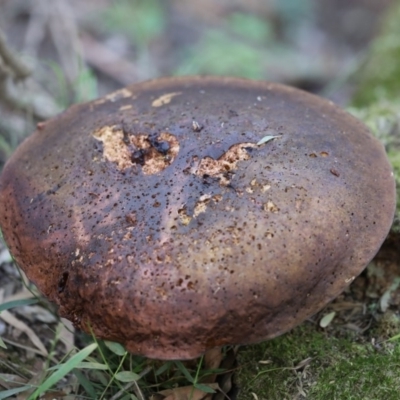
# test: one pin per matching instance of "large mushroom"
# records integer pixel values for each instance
(181, 214)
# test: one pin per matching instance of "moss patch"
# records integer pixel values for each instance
(383, 119)
(340, 368)
(394, 157)
(377, 98)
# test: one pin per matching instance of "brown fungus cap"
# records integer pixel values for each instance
(163, 217)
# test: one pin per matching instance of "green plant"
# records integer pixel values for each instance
(105, 370)
(237, 48)
(84, 88)
(141, 20)
(319, 366)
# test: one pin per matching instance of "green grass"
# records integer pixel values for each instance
(140, 20)
(340, 368)
(218, 53)
(322, 365)
(306, 360)
(103, 370)
(83, 89)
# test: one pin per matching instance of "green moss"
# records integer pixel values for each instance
(388, 326)
(383, 119)
(339, 368)
(371, 376)
(377, 98)
(394, 157)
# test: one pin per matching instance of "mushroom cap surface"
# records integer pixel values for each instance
(181, 214)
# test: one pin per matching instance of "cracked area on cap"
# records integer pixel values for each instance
(152, 152)
(225, 164)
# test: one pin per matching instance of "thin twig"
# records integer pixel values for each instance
(107, 61)
(15, 66)
(10, 68)
(30, 98)
(36, 30)
(56, 17)
(28, 348)
(64, 33)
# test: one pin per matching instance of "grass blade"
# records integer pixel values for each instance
(84, 365)
(393, 338)
(17, 303)
(5, 394)
(86, 384)
(204, 388)
(64, 370)
(184, 371)
(165, 367)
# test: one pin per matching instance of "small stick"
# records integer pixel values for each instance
(18, 69)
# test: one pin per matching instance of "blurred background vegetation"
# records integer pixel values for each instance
(80, 49)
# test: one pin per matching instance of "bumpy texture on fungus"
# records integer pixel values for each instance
(153, 217)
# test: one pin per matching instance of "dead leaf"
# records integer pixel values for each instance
(225, 380)
(384, 301)
(164, 99)
(352, 327)
(7, 317)
(19, 325)
(10, 381)
(345, 305)
(23, 294)
(188, 393)
(301, 391)
(66, 334)
(265, 362)
(5, 256)
(212, 360)
(266, 139)
(54, 395)
(10, 319)
(36, 313)
(327, 319)
(35, 380)
(302, 363)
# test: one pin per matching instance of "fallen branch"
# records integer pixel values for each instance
(10, 63)
(27, 96)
